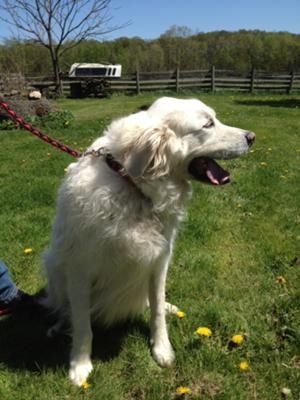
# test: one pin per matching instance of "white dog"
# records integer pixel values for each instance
(118, 211)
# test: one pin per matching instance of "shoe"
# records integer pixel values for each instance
(20, 301)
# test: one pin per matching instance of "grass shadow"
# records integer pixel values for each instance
(25, 346)
(287, 103)
(107, 343)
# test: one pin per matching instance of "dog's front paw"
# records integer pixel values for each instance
(171, 308)
(79, 371)
(163, 354)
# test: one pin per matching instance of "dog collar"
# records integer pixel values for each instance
(118, 168)
(112, 163)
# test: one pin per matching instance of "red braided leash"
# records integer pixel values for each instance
(20, 121)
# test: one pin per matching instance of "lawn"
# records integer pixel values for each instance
(234, 244)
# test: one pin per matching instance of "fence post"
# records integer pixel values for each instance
(252, 80)
(137, 79)
(213, 79)
(291, 82)
(177, 78)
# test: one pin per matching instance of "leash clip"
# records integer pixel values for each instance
(94, 153)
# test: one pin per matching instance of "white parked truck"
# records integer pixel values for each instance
(92, 78)
(93, 70)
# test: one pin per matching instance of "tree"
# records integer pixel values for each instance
(174, 42)
(58, 25)
(178, 31)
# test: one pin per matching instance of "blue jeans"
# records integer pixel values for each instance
(8, 289)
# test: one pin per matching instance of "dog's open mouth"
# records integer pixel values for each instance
(206, 170)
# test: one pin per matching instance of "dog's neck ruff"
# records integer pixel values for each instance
(118, 168)
(113, 164)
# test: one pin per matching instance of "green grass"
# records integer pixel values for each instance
(233, 244)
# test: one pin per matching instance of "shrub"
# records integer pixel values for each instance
(7, 124)
(54, 120)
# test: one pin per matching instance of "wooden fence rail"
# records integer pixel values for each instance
(210, 80)
(202, 80)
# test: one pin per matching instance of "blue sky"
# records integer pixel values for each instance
(150, 18)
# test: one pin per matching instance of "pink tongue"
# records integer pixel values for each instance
(211, 177)
(215, 173)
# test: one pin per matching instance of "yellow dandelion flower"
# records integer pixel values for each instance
(204, 331)
(85, 385)
(237, 339)
(66, 169)
(243, 365)
(182, 390)
(239, 205)
(48, 154)
(298, 237)
(180, 314)
(263, 164)
(280, 280)
(28, 250)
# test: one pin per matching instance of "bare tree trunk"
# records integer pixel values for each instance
(55, 64)
(56, 72)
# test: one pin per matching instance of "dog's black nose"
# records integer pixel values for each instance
(250, 137)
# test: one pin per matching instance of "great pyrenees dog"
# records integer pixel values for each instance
(118, 211)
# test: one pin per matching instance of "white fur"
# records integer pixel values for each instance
(112, 242)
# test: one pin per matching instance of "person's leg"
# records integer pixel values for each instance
(12, 298)
(8, 290)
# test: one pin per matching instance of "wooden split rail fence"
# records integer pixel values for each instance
(212, 80)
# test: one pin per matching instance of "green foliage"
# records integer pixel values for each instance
(239, 51)
(7, 124)
(56, 119)
(53, 120)
(234, 244)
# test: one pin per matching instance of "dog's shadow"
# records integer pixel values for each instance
(25, 346)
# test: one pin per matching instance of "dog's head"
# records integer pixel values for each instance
(181, 138)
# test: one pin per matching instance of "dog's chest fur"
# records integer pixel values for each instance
(120, 235)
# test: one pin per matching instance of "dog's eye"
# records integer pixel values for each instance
(209, 124)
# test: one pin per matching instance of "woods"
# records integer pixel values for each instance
(238, 51)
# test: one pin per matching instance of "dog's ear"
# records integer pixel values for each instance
(138, 160)
(152, 152)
